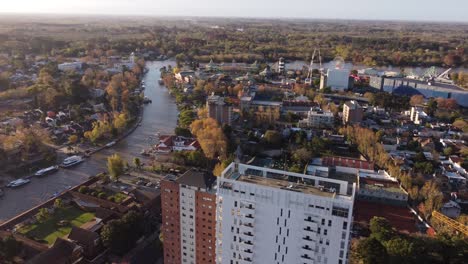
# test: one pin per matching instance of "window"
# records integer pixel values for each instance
(339, 211)
(323, 221)
(345, 225)
(325, 232)
(329, 222)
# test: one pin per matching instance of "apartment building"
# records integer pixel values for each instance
(318, 119)
(352, 113)
(189, 218)
(219, 110)
(272, 216)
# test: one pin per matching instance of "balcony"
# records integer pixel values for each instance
(247, 245)
(246, 236)
(309, 219)
(247, 224)
(308, 238)
(247, 210)
(307, 259)
(308, 229)
(246, 229)
(248, 221)
(307, 251)
(249, 216)
(247, 261)
(247, 254)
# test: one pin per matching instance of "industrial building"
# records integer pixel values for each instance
(336, 79)
(283, 217)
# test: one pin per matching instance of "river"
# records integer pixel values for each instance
(159, 116)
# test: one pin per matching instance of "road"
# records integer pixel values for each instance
(159, 116)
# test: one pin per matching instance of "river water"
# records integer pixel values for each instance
(159, 116)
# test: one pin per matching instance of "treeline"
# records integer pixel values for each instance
(423, 193)
(361, 43)
(386, 246)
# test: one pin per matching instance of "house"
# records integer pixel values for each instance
(417, 115)
(185, 76)
(90, 241)
(170, 143)
(451, 209)
(62, 252)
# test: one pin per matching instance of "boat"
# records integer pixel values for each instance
(146, 100)
(110, 144)
(161, 82)
(18, 183)
(2, 193)
(71, 161)
(46, 171)
(144, 153)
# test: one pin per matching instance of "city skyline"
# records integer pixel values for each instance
(430, 10)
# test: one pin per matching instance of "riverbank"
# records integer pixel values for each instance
(160, 116)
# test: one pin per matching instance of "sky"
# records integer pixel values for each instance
(418, 10)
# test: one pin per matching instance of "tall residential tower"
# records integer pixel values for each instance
(272, 216)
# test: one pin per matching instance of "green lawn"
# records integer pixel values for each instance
(49, 230)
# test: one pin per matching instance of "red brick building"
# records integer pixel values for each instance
(189, 218)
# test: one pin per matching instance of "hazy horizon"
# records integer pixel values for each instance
(399, 10)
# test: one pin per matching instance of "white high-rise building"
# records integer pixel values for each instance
(272, 216)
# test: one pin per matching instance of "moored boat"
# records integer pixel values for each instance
(46, 171)
(71, 161)
(18, 183)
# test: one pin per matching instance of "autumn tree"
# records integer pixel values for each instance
(115, 166)
(211, 137)
(417, 100)
(272, 137)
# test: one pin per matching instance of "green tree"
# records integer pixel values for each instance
(121, 235)
(42, 215)
(431, 107)
(115, 166)
(448, 151)
(58, 203)
(302, 155)
(137, 162)
(371, 251)
(9, 248)
(399, 249)
(381, 228)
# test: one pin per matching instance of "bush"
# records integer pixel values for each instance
(102, 195)
(83, 189)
